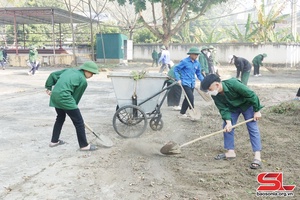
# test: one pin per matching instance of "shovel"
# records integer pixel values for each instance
(194, 114)
(103, 140)
(206, 97)
(172, 148)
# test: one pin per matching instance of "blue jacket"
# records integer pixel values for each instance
(186, 70)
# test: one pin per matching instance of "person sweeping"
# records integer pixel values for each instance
(233, 98)
(66, 88)
(257, 62)
(243, 67)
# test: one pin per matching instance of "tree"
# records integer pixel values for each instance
(166, 20)
(248, 35)
(143, 35)
(266, 22)
(126, 17)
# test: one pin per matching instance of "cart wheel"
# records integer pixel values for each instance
(118, 116)
(156, 124)
(130, 121)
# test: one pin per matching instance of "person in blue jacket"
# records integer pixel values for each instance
(185, 73)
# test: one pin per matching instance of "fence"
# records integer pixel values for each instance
(279, 54)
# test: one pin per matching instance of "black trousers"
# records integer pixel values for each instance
(298, 93)
(78, 122)
(174, 95)
(185, 104)
(256, 69)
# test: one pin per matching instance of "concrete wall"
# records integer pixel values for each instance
(46, 59)
(278, 54)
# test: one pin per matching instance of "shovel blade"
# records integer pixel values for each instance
(194, 114)
(104, 140)
(170, 148)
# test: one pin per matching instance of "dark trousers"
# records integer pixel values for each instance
(298, 93)
(174, 95)
(155, 61)
(185, 104)
(77, 120)
(163, 67)
(256, 69)
(33, 67)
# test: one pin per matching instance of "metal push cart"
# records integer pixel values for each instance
(138, 101)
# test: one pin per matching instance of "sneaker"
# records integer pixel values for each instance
(176, 108)
(258, 74)
(296, 99)
(29, 73)
(183, 116)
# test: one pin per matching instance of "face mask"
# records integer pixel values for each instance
(213, 93)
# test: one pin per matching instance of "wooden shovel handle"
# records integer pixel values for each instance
(90, 129)
(221, 131)
(187, 98)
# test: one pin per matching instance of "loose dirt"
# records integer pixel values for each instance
(134, 168)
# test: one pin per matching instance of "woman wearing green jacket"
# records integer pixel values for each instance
(69, 86)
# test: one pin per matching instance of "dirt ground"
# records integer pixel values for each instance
(134, 168)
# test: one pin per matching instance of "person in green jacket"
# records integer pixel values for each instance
(66, 88)
(257, 62)
(154, 58)
(33, 56)
(203, 60)
(2, 59)
(233, 98)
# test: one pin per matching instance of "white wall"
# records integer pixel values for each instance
(278, 53)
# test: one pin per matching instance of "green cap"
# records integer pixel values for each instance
(204, 47)
(211, 47)
(194, 50)
(265, 55)
(90, 66)
(163, 47)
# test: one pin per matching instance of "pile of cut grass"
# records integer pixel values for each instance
(288, 108)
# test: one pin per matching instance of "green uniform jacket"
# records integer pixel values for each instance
(1, 55)
(257, 60)
(154, 55)
(69, 86)
(171, 74)
(203, 62)
(33, 55)
(236, 95)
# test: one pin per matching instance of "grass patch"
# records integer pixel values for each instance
(286, 108)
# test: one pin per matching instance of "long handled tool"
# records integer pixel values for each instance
(204, 95)
(103, 140)
(194, 115)
(172, 148)
(270, 69)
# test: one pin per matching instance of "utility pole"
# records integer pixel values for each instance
(92, 33)
(294, 18)
(73, 34)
